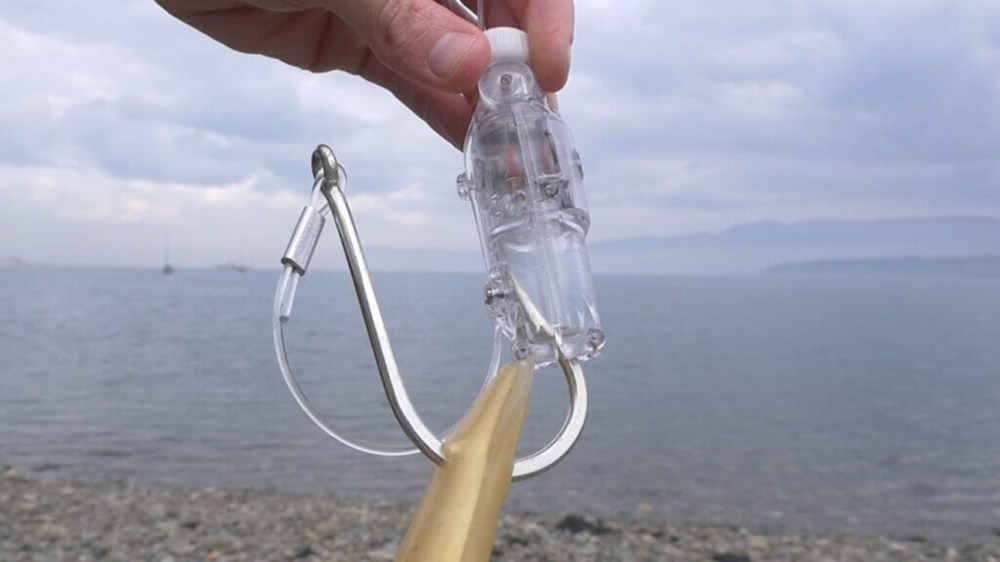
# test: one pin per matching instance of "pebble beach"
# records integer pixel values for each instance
(42, 520)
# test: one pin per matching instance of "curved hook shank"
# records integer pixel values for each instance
(378, 334)
(572, 427)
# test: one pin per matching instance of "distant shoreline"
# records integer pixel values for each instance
(943, 266)
(65, 520)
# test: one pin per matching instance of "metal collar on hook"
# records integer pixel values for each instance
(328, 176)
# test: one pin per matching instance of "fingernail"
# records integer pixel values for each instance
(448, 52)
(553, 101)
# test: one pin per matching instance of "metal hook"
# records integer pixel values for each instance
(325, 166)
(464, 11)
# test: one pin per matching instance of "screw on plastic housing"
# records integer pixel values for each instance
(495, 298)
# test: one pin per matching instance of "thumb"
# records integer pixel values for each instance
(420, 39)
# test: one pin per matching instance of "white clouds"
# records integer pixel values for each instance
(398, 209)
(90, 196)
(81, 216)
(777, 52)
(799, 110)
(62, 70)
(759, 101)
(119, 130)
(49, 82)
(689, 115)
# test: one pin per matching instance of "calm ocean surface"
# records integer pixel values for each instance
(810, 404)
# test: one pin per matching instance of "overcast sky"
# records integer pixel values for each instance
(122, 126)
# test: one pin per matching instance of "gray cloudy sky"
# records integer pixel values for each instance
(120, 126)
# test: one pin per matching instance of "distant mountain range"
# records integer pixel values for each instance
(752, 248)
(979, 266)
(755, 247)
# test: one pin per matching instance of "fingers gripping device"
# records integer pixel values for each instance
(525, 183)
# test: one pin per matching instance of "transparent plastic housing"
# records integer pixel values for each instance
(525, 182)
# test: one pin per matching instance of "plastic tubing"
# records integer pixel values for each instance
(284, 297)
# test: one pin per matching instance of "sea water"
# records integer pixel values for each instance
(817, 404)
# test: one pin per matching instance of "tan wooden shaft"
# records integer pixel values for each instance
(457, 517)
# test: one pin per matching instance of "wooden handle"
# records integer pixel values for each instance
(457, 518)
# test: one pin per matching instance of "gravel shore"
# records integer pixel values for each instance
(56, 521)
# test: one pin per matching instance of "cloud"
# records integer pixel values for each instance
(788, 111)
(688, 116)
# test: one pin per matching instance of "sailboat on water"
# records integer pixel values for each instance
(168, 270)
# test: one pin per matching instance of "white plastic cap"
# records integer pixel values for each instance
(508, 43)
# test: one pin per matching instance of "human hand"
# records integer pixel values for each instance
(419, 50)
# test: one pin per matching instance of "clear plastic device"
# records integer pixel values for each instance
(525, 182)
